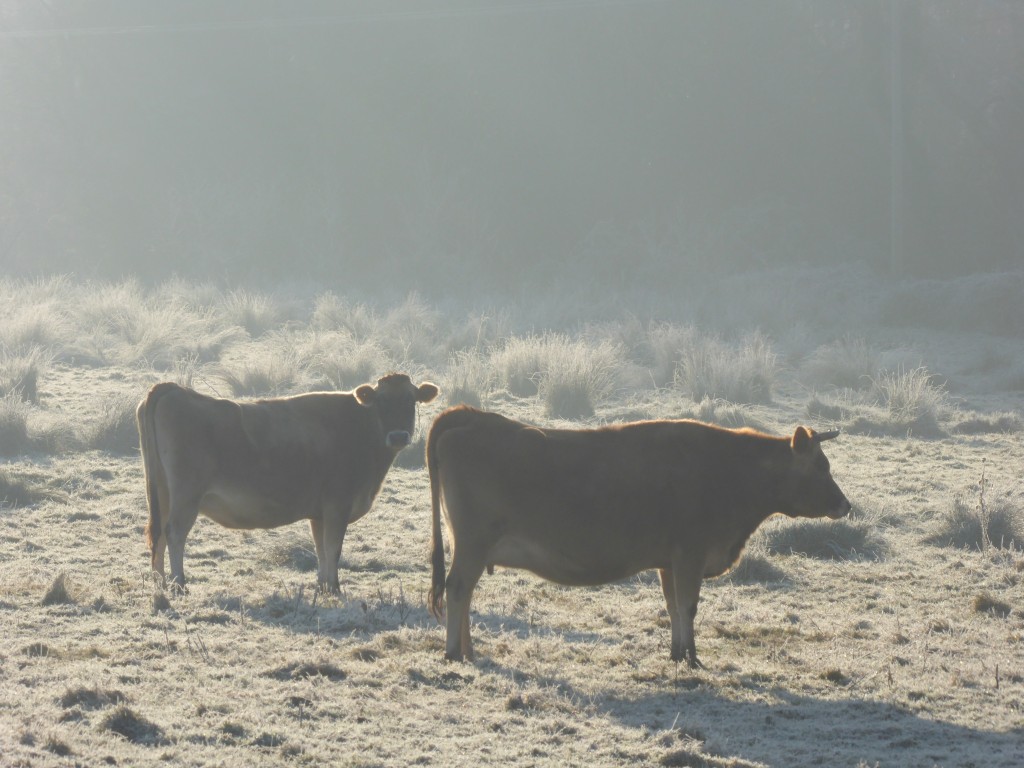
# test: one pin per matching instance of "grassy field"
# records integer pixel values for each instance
(895, 637)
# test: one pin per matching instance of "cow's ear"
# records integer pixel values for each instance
(426, 392)
(803, 440)
(366, 394)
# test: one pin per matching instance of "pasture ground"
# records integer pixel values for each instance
(893, 638)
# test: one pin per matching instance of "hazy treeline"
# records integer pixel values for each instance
(458, 145)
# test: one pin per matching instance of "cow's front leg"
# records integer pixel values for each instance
(332, 526)
(687, 574)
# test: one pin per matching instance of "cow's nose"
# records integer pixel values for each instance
(843, 510)
(399, 438)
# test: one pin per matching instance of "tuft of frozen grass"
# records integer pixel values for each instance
(331, 313)
(337, 360)
(128, 723)
(59, 592)
(744, 374)
(257, 313)
(577, 375)
(14, 436)
(412, 332)
(19, 373)
(15, 492)
(667, 345)
(122, 324)
(30, 327)
(270, 371)
(847, 363)
(911, 396)
(468, 379)
(755, 565)
(116, 429)
(844, 539)
(518, 362)
(984, 424)
(912, 402)
(724, 414)
(981, 523)
(294, 556)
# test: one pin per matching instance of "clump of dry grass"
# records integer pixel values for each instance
(294, 556)
(19, 373)
(518, 362)
(305, 670)
(577, 376)
(14, 436)
(995, 423)
(986, 603)
(666, 345)
(981, 524)
(91, 698)
(257, 313)
(14, 493)
(268, 375)
(742, 375)
(827, 539)
(411, 332)
(115, 430)
(467, 379)
(755, 565)
(331, 313)
(832, 412)
(846, 363)
(331, 359)
(725, 414)
(59, 592)
(31, 326)
(913, 405)
(128, 723)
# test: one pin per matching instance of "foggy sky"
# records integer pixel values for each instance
(368, 139)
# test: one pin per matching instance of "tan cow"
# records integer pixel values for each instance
(320, 456)
(592, 506)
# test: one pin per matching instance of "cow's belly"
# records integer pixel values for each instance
(553, 564)
(238, 509)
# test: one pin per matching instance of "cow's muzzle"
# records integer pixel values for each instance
(398, 439)
(842, 511)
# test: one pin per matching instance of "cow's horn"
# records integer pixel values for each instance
(823, 436)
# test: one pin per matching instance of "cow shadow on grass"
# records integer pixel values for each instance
(390, 607)
(712, 718)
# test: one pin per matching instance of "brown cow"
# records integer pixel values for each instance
(320, 456)
(592, 506)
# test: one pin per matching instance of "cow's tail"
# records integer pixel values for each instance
(144, 416)
(435, 597)
(453, 418)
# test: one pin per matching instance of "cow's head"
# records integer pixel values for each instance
(394, 400)
(810, 489)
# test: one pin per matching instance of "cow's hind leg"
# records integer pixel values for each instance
(159, 539)
(462, 579)
(182, 516)
(687, 573)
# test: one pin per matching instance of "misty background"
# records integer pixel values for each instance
(458, 147)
